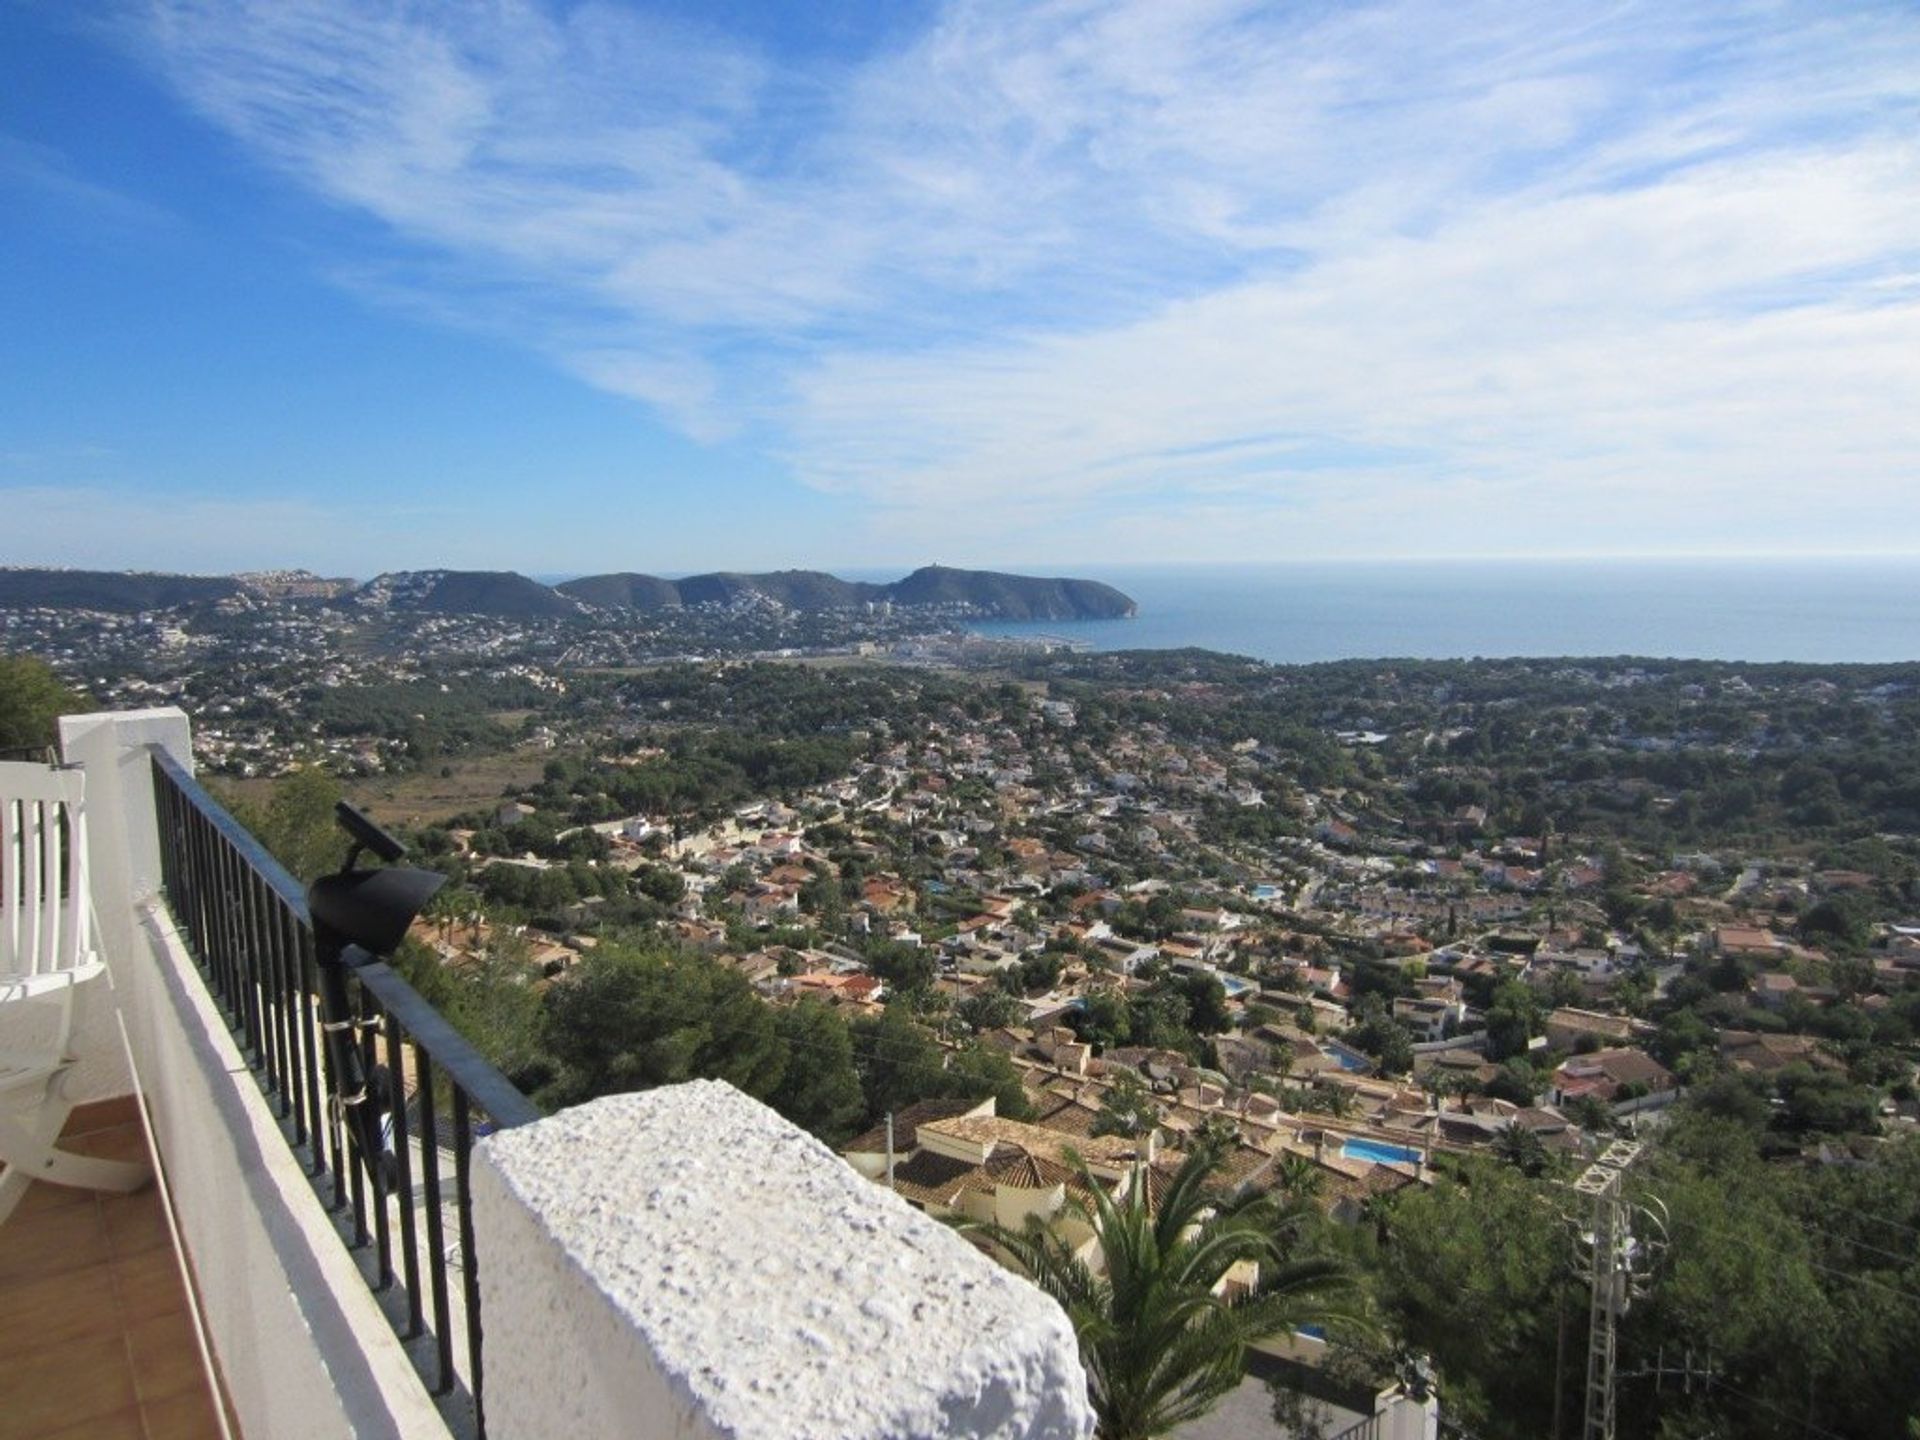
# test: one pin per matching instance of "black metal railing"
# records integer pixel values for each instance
(245, 919)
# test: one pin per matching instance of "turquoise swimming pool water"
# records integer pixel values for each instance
(1379, 1153)
(1348, 1059)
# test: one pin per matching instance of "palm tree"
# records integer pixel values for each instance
(1161, 1335)
(1522, 1149)
(1298, 1177)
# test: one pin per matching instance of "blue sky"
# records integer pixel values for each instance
(668, 287)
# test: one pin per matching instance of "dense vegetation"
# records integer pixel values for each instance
(1792, 1292)
(32, 700)
(1658, 753)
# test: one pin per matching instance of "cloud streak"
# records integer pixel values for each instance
(1081, 278)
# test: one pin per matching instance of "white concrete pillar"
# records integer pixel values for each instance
(123, 868)
(685, 1262)
(1404, 1418)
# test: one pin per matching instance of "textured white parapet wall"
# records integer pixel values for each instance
(686, 1263)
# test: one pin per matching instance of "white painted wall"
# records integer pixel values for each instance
(686, 1263)
(302, 1344)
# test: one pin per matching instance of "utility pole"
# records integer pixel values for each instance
(890, 1150)
(1613, 1257)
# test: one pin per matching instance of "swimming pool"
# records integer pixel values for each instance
(1347, 1059)
(1379, 1152)
(1234, 985)
(1264, 892)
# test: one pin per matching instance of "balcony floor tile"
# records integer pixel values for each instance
(94, 1317)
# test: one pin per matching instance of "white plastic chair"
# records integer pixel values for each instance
(46, 954)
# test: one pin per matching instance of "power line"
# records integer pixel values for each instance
(1805, 1424)
(1907, 1258)
(1862, 1214)
(1849, 1275)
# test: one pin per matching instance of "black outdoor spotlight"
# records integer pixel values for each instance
(360, 916)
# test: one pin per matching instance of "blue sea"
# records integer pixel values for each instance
(1754, 610)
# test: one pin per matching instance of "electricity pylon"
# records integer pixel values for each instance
(1616, 1263)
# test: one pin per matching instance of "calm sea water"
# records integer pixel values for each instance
(1752, 610)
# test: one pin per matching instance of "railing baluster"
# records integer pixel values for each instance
(260, 948)
(247, 953)
(311, 1050)
(403, 1157)
(282, 985)
(469, 1262)
(436, 1231)
(366, 1028)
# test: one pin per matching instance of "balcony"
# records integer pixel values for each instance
(678, 1262)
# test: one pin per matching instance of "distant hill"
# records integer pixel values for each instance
(504, 593)
(1012, 597)
(1007, 597)
(624, 592)
(510, 595)
(116, 591)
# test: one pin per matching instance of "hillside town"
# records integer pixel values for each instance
(1340, 997)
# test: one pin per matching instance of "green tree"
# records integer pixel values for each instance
(1104, 1020)
(1206, 998)
(31, 700)
(1161, 1345)
(631, 1020)
(1127, 1108)
(989, 1010)
(494, 1005)
(1475, 1274)
(1512, 1020)
(821, 1089)
(1522, 1149)
(297, 823)
(1298, 1178)
(901, 1062)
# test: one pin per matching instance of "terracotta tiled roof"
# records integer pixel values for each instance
(906, 1125)
(931, 1179)
(1039, 1140)
(1014, 1165)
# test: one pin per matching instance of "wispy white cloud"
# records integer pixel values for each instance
(45, 174)
(1217, 276)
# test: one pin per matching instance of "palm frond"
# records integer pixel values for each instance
(1160, 1340)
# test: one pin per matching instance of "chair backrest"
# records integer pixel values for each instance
(43, 870)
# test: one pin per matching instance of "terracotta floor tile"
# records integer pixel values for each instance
(121, 1425)
(57, 1309)
(119, 1142)
(95, 1337)
(52, 1241)
(103, 1115)
(42, 1196)
(65, 1386)
(149, 1284)
(166, 1358)
(135, 1223)
(183, 1417)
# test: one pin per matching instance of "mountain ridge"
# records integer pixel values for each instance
(986, 594)
(993, 593)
